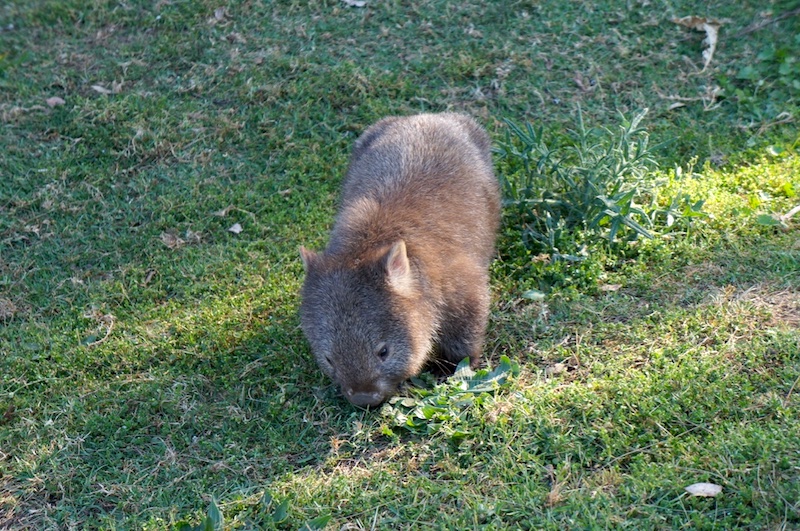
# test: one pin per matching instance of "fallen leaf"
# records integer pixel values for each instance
(354, 3)
(610, 287)
(706, 490)
(193, 237)
(472, 32)
(584, 84)
(533, 295)
(101, 89)
(34, 229)
(219, 13)
(55, 101)
(8, 416)
(236, 38)
(676, 105)
(235, 228)
(792, 212)
(171, 241)
(116, 86)
(710, 42)
(103, 320)
(711, 28)
(556, 369)
(7, 309)
(696, 23)
(6, 115)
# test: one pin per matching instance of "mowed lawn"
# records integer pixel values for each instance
(162, 161)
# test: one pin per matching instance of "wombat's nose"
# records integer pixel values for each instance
(362, 399)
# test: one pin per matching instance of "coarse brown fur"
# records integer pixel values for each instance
(405, 273)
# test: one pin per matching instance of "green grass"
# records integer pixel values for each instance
(151, 360)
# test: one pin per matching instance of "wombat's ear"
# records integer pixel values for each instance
(398, 269)
(308, 257)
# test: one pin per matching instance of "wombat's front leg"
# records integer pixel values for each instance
(461, 335)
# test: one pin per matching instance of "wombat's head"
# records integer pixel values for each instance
(359, 318)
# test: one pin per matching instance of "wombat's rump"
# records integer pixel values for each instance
(405, 273)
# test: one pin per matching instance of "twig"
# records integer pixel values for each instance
(782, 118)
(757, 26)
(791, 213)
(648, 447)
(789, 394)
(107, 320)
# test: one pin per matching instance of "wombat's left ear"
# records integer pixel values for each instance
(398, 269)
(308, 257)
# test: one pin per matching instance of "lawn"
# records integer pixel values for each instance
(161, 163)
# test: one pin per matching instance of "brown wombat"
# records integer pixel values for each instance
(405, 273)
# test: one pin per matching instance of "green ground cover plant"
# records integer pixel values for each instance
(161, 162)
(591, 185)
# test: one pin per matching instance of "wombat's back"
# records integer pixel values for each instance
(426, 179)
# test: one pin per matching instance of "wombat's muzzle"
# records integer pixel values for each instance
(364, 399)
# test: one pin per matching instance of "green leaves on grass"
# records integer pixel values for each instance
(212, 522)
(272, 511)
(445, 407)
(592, 185)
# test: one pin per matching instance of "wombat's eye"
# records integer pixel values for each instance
(383, 351)
(328, 359)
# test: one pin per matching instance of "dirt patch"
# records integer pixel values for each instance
(782, 304)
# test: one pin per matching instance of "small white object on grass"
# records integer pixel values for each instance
(706, 490)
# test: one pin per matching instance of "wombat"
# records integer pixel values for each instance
(405, 274)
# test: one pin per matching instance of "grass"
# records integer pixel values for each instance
(151, 358)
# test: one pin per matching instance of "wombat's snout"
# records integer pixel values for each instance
(363, 398)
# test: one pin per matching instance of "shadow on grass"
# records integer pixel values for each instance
(217, 394)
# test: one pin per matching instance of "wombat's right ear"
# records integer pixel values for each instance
(398, 269)
(308, 257)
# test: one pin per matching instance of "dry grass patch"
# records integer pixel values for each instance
(770, 306)
(7, 309)
(782, 305)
